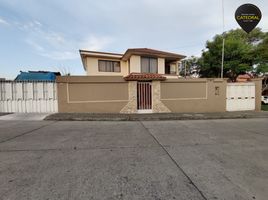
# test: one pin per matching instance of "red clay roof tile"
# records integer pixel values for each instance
(144, 77)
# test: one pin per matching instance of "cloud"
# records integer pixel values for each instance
(29, 26)
(36, 31)
(69, 48)
(34, 45)
(2, 21)
(180, 26)
(95, 43)
(60, 55)
(54, 38)
(46, 42)
(57, 46)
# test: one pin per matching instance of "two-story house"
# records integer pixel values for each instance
(145, 81)
(138, 60)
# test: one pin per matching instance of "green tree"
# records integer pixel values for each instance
(261, 56)
(190, 67)
(239, 54)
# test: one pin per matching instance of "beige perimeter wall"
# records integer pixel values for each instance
(194, 95)
(112, 94)
(95, 94)
(258, 91)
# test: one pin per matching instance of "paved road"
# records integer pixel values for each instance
(206, 159)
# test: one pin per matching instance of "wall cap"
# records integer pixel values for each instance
(90, 79)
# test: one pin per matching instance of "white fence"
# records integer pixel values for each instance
(28, 97)
(240, 96)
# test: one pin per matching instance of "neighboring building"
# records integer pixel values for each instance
(243, 78)
(265, 86)
(139, 60)
(37, 76)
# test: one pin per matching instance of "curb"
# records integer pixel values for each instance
(153, 117)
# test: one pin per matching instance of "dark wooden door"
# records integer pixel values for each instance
(144, 95)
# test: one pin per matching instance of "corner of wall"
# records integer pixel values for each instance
(131, 106)
(158, 106)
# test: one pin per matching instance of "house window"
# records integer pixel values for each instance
(109, 66)
(148, 65)
(170, 68)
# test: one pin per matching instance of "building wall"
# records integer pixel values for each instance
(194, 95)
(258, 91)
(161, 66)
(94, 94)
(135, 64)
(174, 67)
(93, 68)
(112, 94)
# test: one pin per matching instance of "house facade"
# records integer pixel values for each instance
(139, 60)
(147, 81)
(139, 81)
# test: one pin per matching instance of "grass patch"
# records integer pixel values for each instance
(264, 107)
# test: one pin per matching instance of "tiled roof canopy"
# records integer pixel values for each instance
(144, 77)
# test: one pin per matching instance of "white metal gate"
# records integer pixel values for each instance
(28, 97)
(240, 96)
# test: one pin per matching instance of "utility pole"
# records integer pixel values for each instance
(223, 39)
(185, 65)
(222, 58)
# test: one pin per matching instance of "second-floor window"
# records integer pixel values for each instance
(109, 66)
(148, 65)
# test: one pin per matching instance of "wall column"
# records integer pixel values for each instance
(158, 106)
(258, 91)
(131, 106)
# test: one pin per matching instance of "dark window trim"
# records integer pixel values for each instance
(150, 57)
(129, 68)
(169, 71)
(113, 61)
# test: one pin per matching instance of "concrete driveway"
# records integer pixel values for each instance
(206, 159)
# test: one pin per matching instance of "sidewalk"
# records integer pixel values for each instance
(153, 117)
(22, 116)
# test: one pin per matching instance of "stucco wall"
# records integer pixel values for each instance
(194, 95)
(93, 68)
(112, 94)
(161, 66)
(258, 91)
(174, 67)
(135, 64)
(92, 94)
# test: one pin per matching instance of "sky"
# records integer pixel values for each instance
(47, 35)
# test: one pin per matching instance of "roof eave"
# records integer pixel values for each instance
(97, 53)
(149, 52)
(82, 58)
